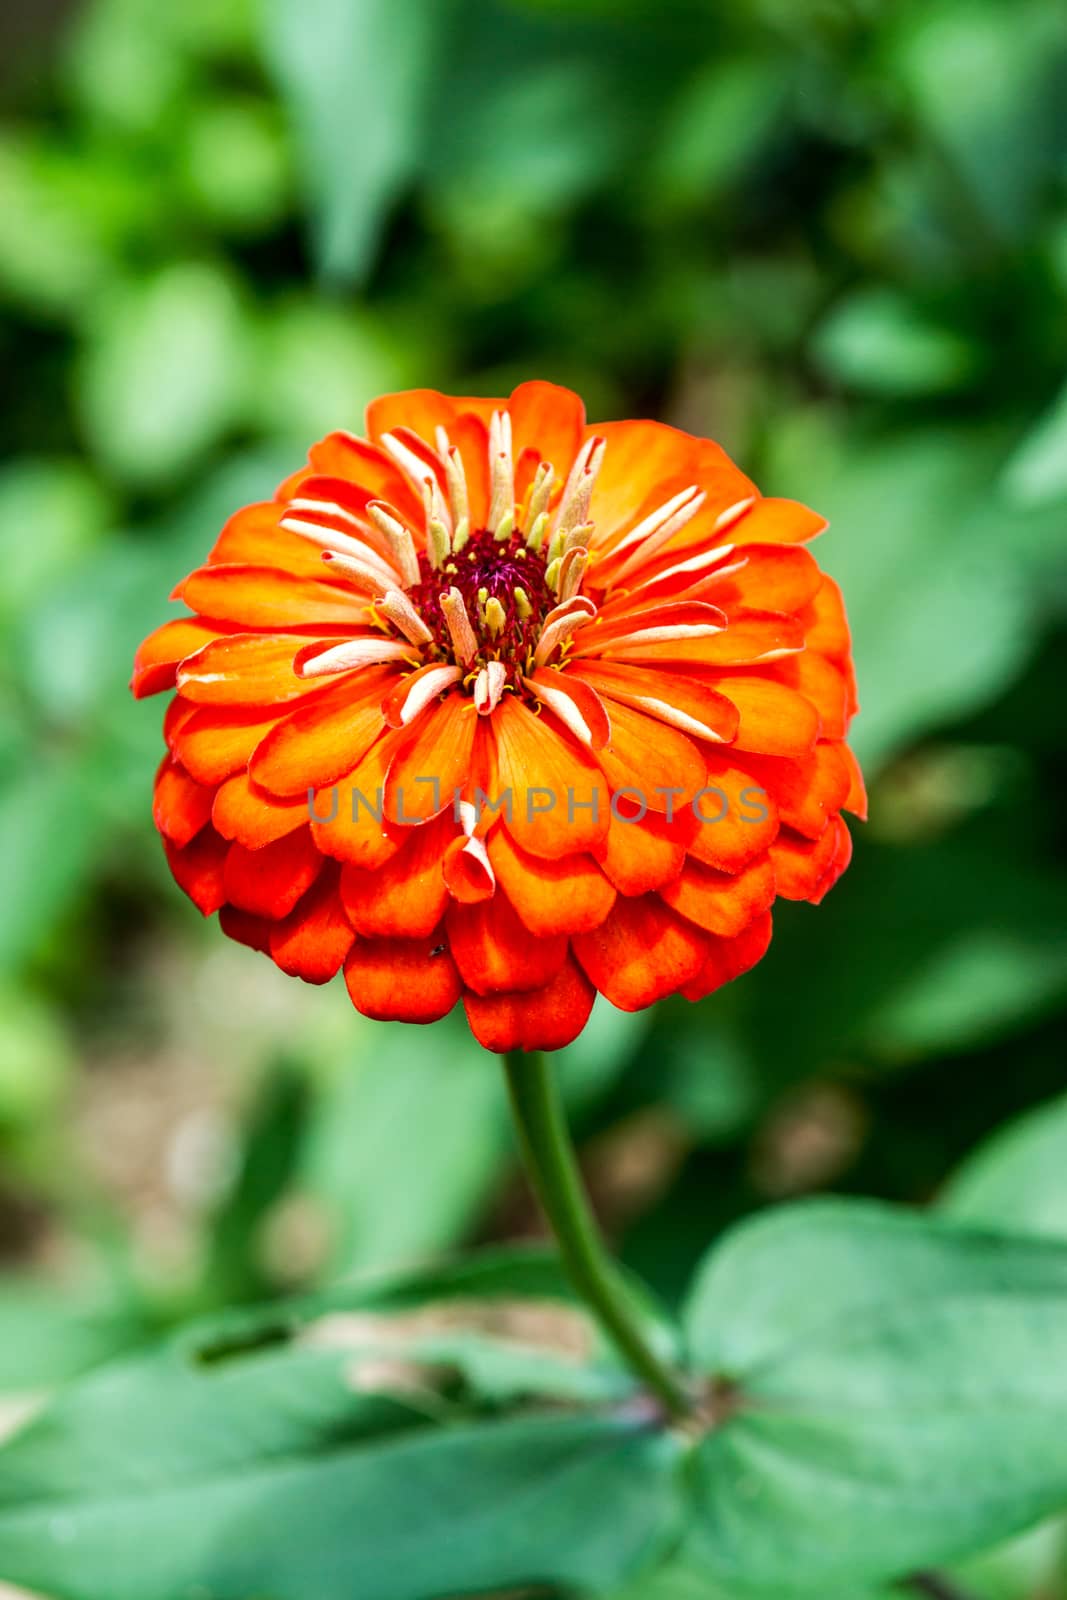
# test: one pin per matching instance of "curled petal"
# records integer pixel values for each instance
(575, 702)
(468, 870)
(418, 690)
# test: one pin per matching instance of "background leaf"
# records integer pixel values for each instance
(874, 1362)
(354, 77)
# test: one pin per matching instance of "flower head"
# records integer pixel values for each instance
(496, 706)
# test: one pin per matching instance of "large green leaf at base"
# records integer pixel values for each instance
(351, 1446)
(893, 1393)
(562, 1499)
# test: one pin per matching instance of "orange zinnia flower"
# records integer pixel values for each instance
(494, 705)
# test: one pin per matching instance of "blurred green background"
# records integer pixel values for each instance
(830, 233)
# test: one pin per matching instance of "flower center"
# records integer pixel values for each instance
(503, 587)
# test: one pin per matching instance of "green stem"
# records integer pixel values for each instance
(553, 1170)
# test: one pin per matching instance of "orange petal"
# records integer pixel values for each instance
(178, 713)
(180, 806)
(824, 684)
(752, 637)
(569, 895)
(402, 980)
(416, 690)
(856, 799)
(685, 703)
(727, 959)
(645, 463)
(348, 817)
(638, 857)
(156, 663)
(641, 953)
(610, 637)
(825, 623)
(269, 882)
(219, 740)
(652, 760)
(421, 410)
(468, 871)
(774, 719)
(738, 819)
(431, 761)
(324, 740)
(198, 869)
(810, 791)
(263, 597)
(723, 903)
(253, 669)
(243, 928)
(576, 703)
(538, 1019)
(840, 859)
(470, 436)
(254, 537)
(244, 812)
(495, 952)
(774, 577)
(314, 939)
(559, 800)
(343, 455)
(407, 897)
(774, 521)
(548, 420)
(800, 864)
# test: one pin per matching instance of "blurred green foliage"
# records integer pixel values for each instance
(830, 233)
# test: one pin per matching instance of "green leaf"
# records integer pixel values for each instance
(405, 1144)
(320, 364)
(939, 598)
(354, 74)
(984, 83)
(52, 512)
(1017, 1179)
(892, 1393)
(878, 342)
(970, 967)
(50, 1332)
(712, 134)
(164, 372)
(1037, 472)
(681, 1579)
(251, 1455)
